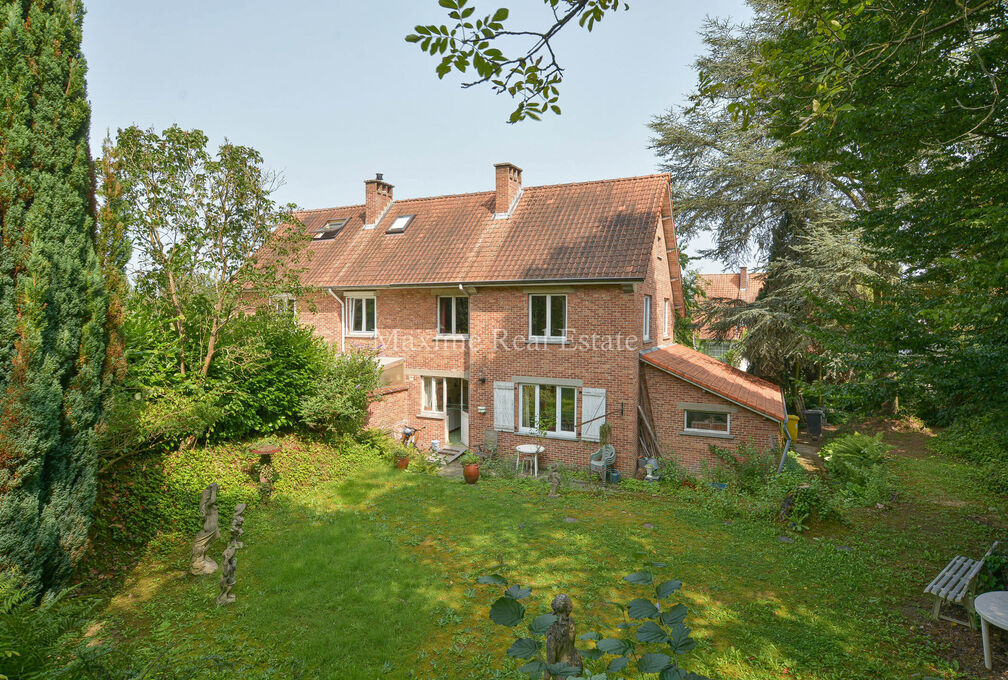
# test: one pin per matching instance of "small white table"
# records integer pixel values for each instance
(992, 608)
(530, 453)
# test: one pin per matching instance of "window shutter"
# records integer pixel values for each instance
(592, 412)
(504, 406)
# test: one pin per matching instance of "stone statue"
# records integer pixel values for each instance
(561, 635)
(237, 519)
(554, 481)
(201, 563)
(227, 579)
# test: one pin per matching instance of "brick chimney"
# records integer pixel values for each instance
(377, 199)
(508, 187)
(743, 279)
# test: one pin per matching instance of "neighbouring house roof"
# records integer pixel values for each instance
(587, 231)
(720, 378)
(727, 286)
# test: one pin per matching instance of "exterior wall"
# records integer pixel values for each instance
(658, 285)
(387, 412)
(667, 392)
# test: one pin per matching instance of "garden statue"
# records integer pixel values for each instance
(554, 481)
(561, 635)
(227, 579)
(237, 519)
(201, 563)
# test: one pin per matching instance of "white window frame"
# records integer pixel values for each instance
(668, 318)
(351, 316)
(284, 302)
(549, 318)
(714, 433)
(454, 333)
(431, 385)
(647, 318)
(556, 432)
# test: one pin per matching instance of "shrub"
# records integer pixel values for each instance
(339, 402)
(748, 466)
(982, 440)
(856, 463)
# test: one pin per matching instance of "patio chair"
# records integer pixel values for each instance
(602, 460)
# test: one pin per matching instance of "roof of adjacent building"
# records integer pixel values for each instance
(720, 378)
(587, 231)
(728, 286)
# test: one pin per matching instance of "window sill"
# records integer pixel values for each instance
(549, 435)
(451, 336)
(704, 433)
(431, 415)
(358, 334)
(538, 340)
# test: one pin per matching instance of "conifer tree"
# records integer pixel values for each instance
(52, 295)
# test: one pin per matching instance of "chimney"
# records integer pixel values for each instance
(743, 279)
(378, 198)
(508, 188)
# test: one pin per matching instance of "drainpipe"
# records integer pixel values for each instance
(787, 444)
(342, 325)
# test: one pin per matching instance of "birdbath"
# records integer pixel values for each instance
(265, 453)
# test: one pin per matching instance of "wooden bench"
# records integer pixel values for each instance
(956, 584)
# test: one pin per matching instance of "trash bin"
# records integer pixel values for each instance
(792, 427)
(814, 422)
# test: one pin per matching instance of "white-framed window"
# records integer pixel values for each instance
(707, 422)
(548, 408)
(361, 313)
(284, 303)
(647, 318)
(717, 349)
(399, 224)
(453, 316)
(668, 319)
(434, 393)
(547, 317)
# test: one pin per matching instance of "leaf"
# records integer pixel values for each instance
(680, 640)
(667, 588)
(617, 664)
(523, 648)
(653, 663)
(591, 653)
(516, 592)
(533, 669)
(492, 579)
(500, 15)
(507, 611)
(613, 646)
(674, 615)
(590, 635)
(562, 669)
(639, 577)
(651, 632)
(642, 609)
(541, 624)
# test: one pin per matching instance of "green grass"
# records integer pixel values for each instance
(374, 576)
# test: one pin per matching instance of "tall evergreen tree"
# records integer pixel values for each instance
(52, 296)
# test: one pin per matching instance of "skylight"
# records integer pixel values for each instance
(329, 229)
(399, 224)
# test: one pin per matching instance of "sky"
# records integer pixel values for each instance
(330, 93)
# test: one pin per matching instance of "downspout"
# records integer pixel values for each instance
(342, 325)
(787, 433)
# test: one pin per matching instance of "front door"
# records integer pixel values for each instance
(457, 411)
(465, 412)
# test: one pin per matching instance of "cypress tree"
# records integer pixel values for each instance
(52, 297)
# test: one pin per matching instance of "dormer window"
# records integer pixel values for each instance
(399, 224)
(329, 229)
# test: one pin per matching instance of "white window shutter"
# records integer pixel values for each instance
(592, 412)
(504, 406)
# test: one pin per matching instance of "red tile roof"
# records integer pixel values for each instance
(601, 230)
(726, 286)
(720, 378)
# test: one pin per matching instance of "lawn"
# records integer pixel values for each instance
(375, 576)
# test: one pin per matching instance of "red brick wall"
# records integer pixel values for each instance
(667, 392)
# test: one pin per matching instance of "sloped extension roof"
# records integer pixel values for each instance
(601, 231)
(720, 378)
(727, 286)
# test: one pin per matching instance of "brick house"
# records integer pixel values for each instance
(744, 287)
(502, 309)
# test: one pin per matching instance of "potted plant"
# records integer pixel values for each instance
(401, 457)
(470, 467)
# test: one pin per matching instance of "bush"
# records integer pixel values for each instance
(749, 467)
(856, 463)
(339, 402)
(982, 440)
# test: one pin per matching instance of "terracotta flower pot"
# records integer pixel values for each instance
(470, 472)
(402, 462)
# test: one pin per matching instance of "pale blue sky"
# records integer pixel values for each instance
(330, 93)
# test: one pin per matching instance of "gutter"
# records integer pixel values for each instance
(512, 282)
(787, 433)
(342, 326)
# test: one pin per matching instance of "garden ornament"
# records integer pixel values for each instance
(201, 563)
(237, 519)
(554, 481)
(227, 580)
(561, 635)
